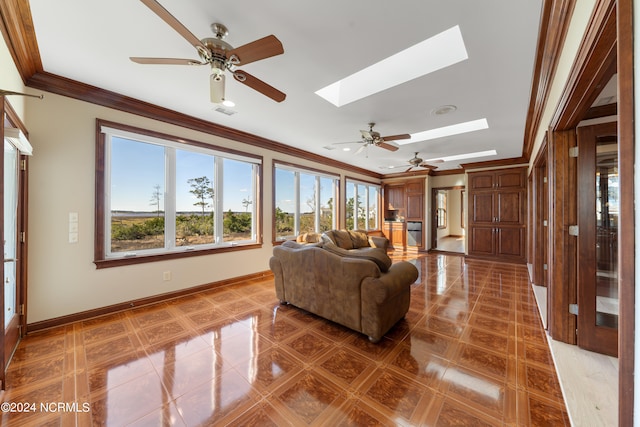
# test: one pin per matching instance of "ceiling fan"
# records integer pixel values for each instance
(371, 137)
(220, 55)
(417, 162)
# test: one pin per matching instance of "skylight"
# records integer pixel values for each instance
(433, 54)
(446, 131)
(464, 156)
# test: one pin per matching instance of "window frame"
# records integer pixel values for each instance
(358, 182)
(441, 212)
(297, 170)
(101, 236)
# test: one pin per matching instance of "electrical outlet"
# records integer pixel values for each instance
(166, 276)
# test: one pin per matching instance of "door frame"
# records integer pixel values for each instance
(606, 48)
(539, 196)
(6, 110)
(433, 219)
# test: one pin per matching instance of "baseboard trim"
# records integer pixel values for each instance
(128, 305)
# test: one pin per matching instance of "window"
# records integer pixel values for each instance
(304, 201)
(158, 196)
(441, 208)
(462, 213)
(362, 204)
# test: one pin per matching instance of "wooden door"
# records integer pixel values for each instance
(14, 266)
(598, 213)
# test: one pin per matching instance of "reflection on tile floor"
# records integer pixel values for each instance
(471, 351)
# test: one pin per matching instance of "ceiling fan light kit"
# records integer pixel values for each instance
(417, 162)
(371, 137)
(220, 55)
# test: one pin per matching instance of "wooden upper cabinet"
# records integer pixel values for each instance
(415, 203)
(481, 181)
(415, 200)
(498, 179)
(415, 187)
(395, 197)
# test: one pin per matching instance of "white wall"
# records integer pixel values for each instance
(62, 276)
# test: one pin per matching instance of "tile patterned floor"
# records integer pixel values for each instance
(471, 351)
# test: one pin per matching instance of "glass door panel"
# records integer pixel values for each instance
(607, 197)
(598, 219)
(10, 230)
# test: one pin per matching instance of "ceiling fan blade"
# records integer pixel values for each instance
(387, 146)
(175, 24)
(257, 84)
(166, 61)
(350, 142)
(428, 166)
(396, 137)
(367, 135)
(410, 168)
(265, 47)
(359, 150)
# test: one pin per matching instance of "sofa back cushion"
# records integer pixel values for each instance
(359, 238)
(341, 238)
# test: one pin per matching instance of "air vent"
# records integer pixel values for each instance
(225, 111)
(329, 147)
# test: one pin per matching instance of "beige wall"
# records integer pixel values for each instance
(10, 80)
(62, 277)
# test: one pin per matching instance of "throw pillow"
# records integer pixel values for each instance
(342, 239)
(359, 238)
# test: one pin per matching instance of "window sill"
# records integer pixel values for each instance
(141, 259)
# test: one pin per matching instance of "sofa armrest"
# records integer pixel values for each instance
(399, 277)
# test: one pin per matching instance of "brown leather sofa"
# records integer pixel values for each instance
(353, 292)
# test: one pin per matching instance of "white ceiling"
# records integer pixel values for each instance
(91, 42)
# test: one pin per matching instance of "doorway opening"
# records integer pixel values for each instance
(448, 219)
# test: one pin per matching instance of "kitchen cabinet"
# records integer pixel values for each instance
(396, 232)
(395, 197)
(404, 203)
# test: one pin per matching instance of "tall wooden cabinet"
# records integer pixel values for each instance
(497, 214)
(415, 201)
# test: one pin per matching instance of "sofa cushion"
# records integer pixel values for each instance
(376, 255)
(341, 238)
(359, 238)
